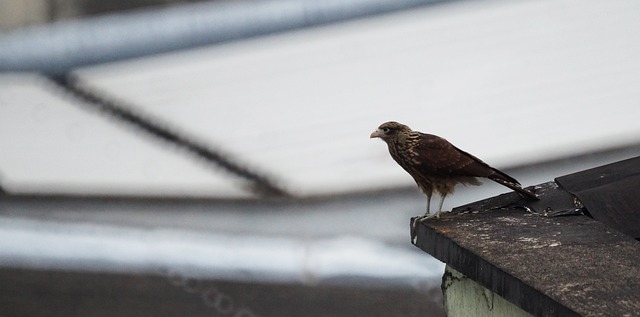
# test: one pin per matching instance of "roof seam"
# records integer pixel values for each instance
(261, 184)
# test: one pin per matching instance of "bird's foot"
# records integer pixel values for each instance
(422, 218)
(426, 217)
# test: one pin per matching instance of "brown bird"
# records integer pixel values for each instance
(437, 165)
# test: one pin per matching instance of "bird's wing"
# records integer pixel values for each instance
(438, 157)
(481, 167)
(495, 175)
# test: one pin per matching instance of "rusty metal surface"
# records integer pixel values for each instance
(549, 266)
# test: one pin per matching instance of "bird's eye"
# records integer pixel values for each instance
(385, 130)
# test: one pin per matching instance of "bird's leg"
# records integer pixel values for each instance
(423, 217)
(428, 206)
(427, 215)
(442, 197)
(437, 214)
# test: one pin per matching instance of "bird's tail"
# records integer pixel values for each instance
(511, 183)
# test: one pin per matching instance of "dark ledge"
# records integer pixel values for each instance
(548, 266)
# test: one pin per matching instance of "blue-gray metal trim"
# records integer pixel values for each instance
(57, 48)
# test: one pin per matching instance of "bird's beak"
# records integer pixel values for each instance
(374, 134)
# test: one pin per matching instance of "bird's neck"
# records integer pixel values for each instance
(397, 147)
(400, 146)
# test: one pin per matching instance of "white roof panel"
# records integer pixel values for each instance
(51, 143)
(513, 82)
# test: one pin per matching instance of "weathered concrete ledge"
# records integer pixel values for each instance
(548, 266)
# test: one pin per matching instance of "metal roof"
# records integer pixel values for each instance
(297, 107)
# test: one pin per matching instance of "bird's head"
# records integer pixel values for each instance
(389, 131)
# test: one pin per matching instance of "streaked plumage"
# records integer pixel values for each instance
(437, 165)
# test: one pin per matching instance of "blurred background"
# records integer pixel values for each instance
(212, 158)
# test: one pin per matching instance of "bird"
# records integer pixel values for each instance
(436, 165)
